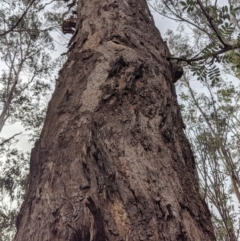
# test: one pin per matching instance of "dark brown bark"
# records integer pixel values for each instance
(112, 162)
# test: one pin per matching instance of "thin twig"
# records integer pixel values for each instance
(9, 139)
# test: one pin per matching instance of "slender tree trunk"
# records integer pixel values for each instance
(112, 162)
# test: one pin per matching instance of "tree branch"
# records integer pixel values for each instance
(9, 139)
(214, 55)
(40, 9)
(179, 18)
(19, 20)
(210, 20)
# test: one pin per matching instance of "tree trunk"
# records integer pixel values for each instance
(112, 162)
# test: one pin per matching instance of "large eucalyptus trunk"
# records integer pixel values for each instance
(112, 162)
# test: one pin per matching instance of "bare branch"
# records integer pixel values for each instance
(46, 5)
(9, 139)
(214, 55)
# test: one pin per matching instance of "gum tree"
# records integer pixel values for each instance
(112, 161)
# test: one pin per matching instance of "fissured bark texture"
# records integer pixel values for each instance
(112, 162)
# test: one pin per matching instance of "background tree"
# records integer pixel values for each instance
(212, 127)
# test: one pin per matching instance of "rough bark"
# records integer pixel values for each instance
(112, 162)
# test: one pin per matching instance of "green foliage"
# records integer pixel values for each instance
(210, 74)
(25, 79)
(13, 176)
(214, 28)
(234, 59)
(188, 5)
